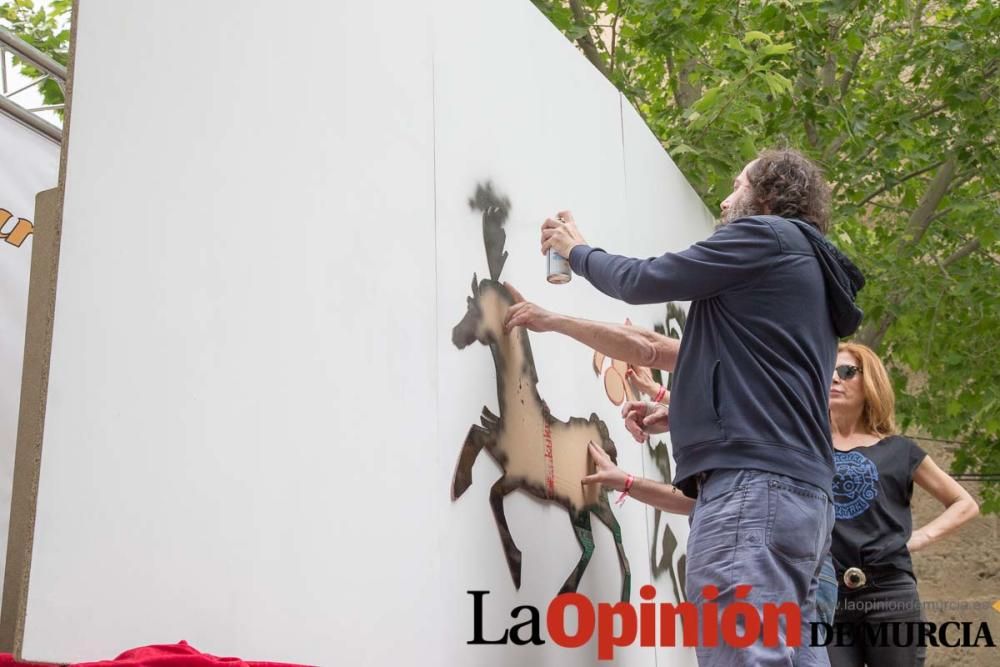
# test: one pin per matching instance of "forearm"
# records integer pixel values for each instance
(665, 497)
(633, 345)
(628, 279)
(958, 513)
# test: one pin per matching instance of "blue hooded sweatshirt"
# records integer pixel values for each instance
(770, 297)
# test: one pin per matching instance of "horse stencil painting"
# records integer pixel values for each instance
(539, 454)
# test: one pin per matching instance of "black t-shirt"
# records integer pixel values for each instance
(872, 487)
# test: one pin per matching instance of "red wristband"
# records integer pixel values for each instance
(660, 394)
(628, 487)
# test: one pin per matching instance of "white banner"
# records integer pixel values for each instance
(29, 163)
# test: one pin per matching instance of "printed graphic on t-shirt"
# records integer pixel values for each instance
(855, 484)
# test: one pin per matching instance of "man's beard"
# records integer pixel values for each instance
(743, 207)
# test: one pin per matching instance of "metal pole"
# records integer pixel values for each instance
(44, 77)
(29, 53)
(3, 69)
(44, 127)
(51, 69)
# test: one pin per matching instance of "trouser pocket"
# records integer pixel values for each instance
(796, 530)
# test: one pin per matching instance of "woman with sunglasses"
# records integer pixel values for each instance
(873, 537)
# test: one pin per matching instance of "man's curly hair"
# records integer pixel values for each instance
(784, 182)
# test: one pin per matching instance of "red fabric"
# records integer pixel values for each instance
(7, 660)
(181, 654)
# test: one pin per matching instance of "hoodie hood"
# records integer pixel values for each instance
(843, 280)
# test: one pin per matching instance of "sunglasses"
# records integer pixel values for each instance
(846, 372)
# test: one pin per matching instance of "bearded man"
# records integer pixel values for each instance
(749, 416)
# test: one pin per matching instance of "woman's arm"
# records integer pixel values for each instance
(959, 504)
(632, 345)
(642, 378)
(666, 497)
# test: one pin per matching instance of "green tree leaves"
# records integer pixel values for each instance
(45, 29)
(899, 103)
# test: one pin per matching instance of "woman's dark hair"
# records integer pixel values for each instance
(788, 184)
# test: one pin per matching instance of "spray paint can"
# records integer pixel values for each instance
(558, 271)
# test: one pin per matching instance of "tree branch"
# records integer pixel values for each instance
(834, 146)
(864, 156)
(614, 40)
(929, 112)
(917, 226)
(845, 80)
(889, 207)
(923, 215)
(916, 19)
(963, 252)
(900, 181)
(687, 92)
(872, 336)
(942, 212)
(586, 42)
(684, 93)
(828, 73)
(848, 76)
(811, 134)
(877, 139)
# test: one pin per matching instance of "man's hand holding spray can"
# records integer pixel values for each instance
(559, 237)
(558, 271)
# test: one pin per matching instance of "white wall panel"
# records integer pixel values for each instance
(543, 126)
(255, 406)
(244, 286)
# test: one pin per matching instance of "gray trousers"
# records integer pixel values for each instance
(767, 531)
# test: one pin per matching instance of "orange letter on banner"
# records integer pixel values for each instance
(22, 229)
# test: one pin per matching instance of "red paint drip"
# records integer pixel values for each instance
(550, 467)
